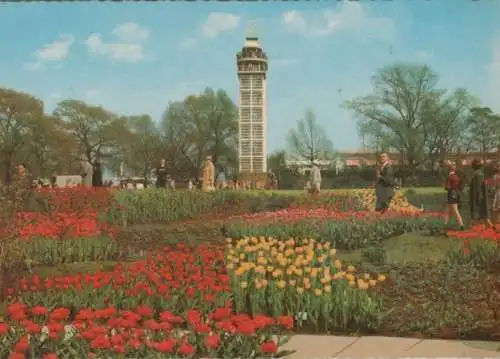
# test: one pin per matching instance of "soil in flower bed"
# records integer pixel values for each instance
(441, 301)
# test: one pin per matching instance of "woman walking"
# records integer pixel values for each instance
(478, 195)
(453, 187)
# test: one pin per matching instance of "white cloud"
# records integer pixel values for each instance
(130, 32)
(129, 48)
(218, 22)
(54, 52)
(350, 17)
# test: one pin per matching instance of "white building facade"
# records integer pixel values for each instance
(252, 125)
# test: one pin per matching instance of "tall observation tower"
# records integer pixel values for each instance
(252, 73)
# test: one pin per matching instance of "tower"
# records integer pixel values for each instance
(252, 125)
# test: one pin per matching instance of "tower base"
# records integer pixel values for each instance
(253, 180)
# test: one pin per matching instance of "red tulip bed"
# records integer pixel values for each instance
(176, 303)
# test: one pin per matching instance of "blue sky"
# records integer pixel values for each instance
(134, 58)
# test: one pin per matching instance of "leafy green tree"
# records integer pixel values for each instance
(96, 130)
(484, 130)
(309, 141)
(201, 125)
(18, 113)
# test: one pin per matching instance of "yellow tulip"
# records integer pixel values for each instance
(242, 256)
(327, 288)
(318, 292)
(244, 285)
(264, 282)
(254, 240)
(281, 284)
(333, 252)
(381, 277)
(299, 250)
(321, 259)
(307, 285)
(277, 273)
(372, 282)
(350, 277)
(270, 268)
(289, 271)
(229, 266)
(300, 290)
(260, 270)
(229, 240)
(292, 282)
(362, 284)
(366, 276)
(351, 269)
(337, 264)
(314, 272)
(298, 272)
(240, 271)
(327, 245)
(307, 269)
(352, 283)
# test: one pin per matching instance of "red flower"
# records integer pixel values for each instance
(246, 328)
(186, 349)
(16, 356)
(101, 342)
(144, 311)
(286, 321)
(269, 347)
(4, 329)
(212, 341)
(39, 310)
(166, 346)
(50, 356)
(59, 314)
(22, 345)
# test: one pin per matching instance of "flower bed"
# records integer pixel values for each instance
(276, 277)
(141, 332)
(343, 230)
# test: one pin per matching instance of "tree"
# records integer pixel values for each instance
(396, 105)
(276, 161)
(484, 132)
(96, 130)
(309, 141)
(18, 112)
(143, 147)
(201, 125)
(445, 120)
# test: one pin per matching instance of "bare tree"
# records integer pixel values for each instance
(308, 141)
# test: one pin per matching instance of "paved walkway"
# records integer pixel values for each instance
(316, 346)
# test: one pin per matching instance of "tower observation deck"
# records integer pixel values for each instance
(252, 125)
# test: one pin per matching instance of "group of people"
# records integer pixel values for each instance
(484, 195)
(208, 181)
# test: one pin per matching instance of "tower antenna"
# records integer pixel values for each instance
(251, 31)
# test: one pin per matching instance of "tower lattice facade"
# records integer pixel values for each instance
(252, 75)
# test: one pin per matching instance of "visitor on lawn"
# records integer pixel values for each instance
(478, 195)
(208, 175)
(161, 174)
(315, 178)
(453, 187)
(495, 207)
(385, 183)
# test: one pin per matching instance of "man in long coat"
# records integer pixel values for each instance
(478, 195)
(384, 187)
(208, 175)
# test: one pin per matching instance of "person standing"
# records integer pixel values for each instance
(384, 187)
(315, 178)
(208, 175)
(97, 174)
(495, 207)
(161, 174)
(87, 172)
(478, 195)
(453, 187)
(221, 179)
